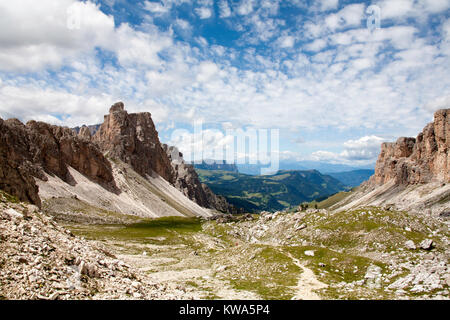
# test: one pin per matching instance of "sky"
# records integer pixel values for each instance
(335, 78)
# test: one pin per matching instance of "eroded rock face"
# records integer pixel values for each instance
(85, 133)
(27, 151)
(133, 139)
(420, 160)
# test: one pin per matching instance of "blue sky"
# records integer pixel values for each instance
(312, 69)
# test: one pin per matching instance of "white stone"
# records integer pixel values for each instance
(309, 253)
(410, 245)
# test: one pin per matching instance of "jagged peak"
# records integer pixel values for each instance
(117, 107)
(417, 160)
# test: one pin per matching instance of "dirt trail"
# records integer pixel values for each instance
(307, 282)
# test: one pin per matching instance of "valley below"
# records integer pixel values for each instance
(368, 253)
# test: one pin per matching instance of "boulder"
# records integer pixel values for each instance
(427, 244)
(410, 245)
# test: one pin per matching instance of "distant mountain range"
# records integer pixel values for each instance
(323, 167)
(270, 192)
(215, 165)
(353, 178)
(348, 175)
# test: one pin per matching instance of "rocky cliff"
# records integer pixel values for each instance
(417, 160)
(411, 174)
(29, 151)
(40, 150)
(133, 139)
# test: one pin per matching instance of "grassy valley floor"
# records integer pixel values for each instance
(358, 254)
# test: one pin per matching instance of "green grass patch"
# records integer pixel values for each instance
(162, 231)
(271, 274)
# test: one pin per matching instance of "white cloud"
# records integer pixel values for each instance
(401, 9)
(446, 30)
(136, 47)
(58, 107)
(365, 148)
(349, 16)
(286, 42)
(396, 8)
(224, 8)
(207, 144)
(157, 7)
(183, 24)
(207, 70)
(245, 7)
(442, 102)
(52, 33)
(203, 12)
(316, 45)
(326, 5)
(435, 6)
(363, 151)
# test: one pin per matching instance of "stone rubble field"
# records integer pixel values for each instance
(41, 260)
(368, 253)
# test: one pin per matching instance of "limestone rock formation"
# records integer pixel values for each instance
(417, 160)
(33, 150)
(133, 139)
(27, 151)
(85, 133)
(92, 129)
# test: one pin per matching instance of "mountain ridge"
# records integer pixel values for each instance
(411, 174)
(37, 158)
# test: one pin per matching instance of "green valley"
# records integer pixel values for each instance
(282, 190)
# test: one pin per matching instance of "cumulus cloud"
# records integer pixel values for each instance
(157, 7)
(224, 9)
(316, 45)
(349, 16)
(206, 144)
(52, 33)
(365, 148)
(286, 42)
(203, 12)
(364, 151)
(438, 103)
(136, 47)
(401, 9)
(326, 5)
(245, 7)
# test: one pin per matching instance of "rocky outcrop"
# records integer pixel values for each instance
(417, 160)
(33, 150)
(85, 133)
(92, 129)
(29, 151)
(188, 182)
(133, 139)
